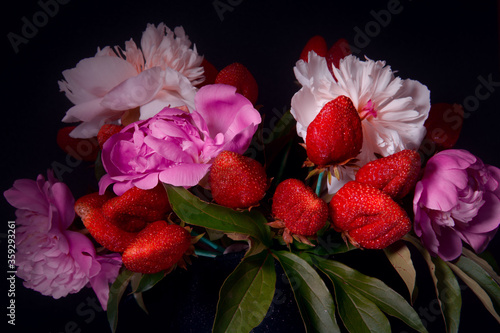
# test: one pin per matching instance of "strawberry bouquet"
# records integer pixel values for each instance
(183, 170)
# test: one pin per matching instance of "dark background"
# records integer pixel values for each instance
(447, 46)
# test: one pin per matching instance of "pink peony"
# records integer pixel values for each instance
(177, 147)
(163, 72)
(51, 259)
(458, 199)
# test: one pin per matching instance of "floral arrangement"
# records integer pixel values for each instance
(182, 171)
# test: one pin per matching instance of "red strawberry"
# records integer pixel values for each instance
(90, 202)
(210, 73)
(237, 181)
(81, 149)
(300, 209)
(338, 51)
(368, 217)
(134, 208)
(335, 135)
(444, 124)
(106, 131)
(316, 44)
(395, 175)
(105, 233)
(239, 76)
(157, 247)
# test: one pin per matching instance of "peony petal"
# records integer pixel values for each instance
(94, 77)
(135, 91)
(110, 265)
(64, 202)
(450, 244)
(224, 110)
(186, 175)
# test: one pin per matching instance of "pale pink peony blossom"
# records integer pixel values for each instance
(163, 72)
(51, 259)
(178, 147)
(393, 110)
(458, 199)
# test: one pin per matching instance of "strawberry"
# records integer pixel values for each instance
(81, 149)
(101, 228)
(136, 207)
(210, 73)
(239, 76)
(338, 51)
(106, 131)
(299, 208)
(335, 135)
(316, 44)
(368, 217)
(444, 124)
(156, 248)
(237, 181)
(396, 175)
(90, 202)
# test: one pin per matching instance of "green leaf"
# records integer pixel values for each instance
(147, 281)
(481, 276)
(483, 263)
(400, 257)
(449, 295)
(358, 313)
(373, 289)
(445, 285)
(115, 294)
(476, 288)
(134, 283)
(246, 294)
(313, 298)
(194, 211)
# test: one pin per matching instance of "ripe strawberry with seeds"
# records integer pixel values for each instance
(317, 44)
(157, 247)
(106, 131)
(237, 181)
(239, 76)
(101, 228)
(298, 209)
(395, 175)
(367, 217)
(335, 135)
(136, 207)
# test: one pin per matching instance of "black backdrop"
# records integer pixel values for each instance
(450, 47)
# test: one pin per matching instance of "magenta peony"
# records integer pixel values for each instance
(51, 259)
(458, 199)
(177, 147)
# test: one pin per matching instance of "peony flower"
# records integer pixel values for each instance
(458, 199)
(393, 110)
(162, 73)
(51, 259)
(177, 147)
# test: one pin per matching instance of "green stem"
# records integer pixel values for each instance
(214, 246)
(318, 185)
(203, 253)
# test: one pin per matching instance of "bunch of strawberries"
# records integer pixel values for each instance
(366, 211)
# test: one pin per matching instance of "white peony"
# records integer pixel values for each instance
(163, 72)
(393, 110)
